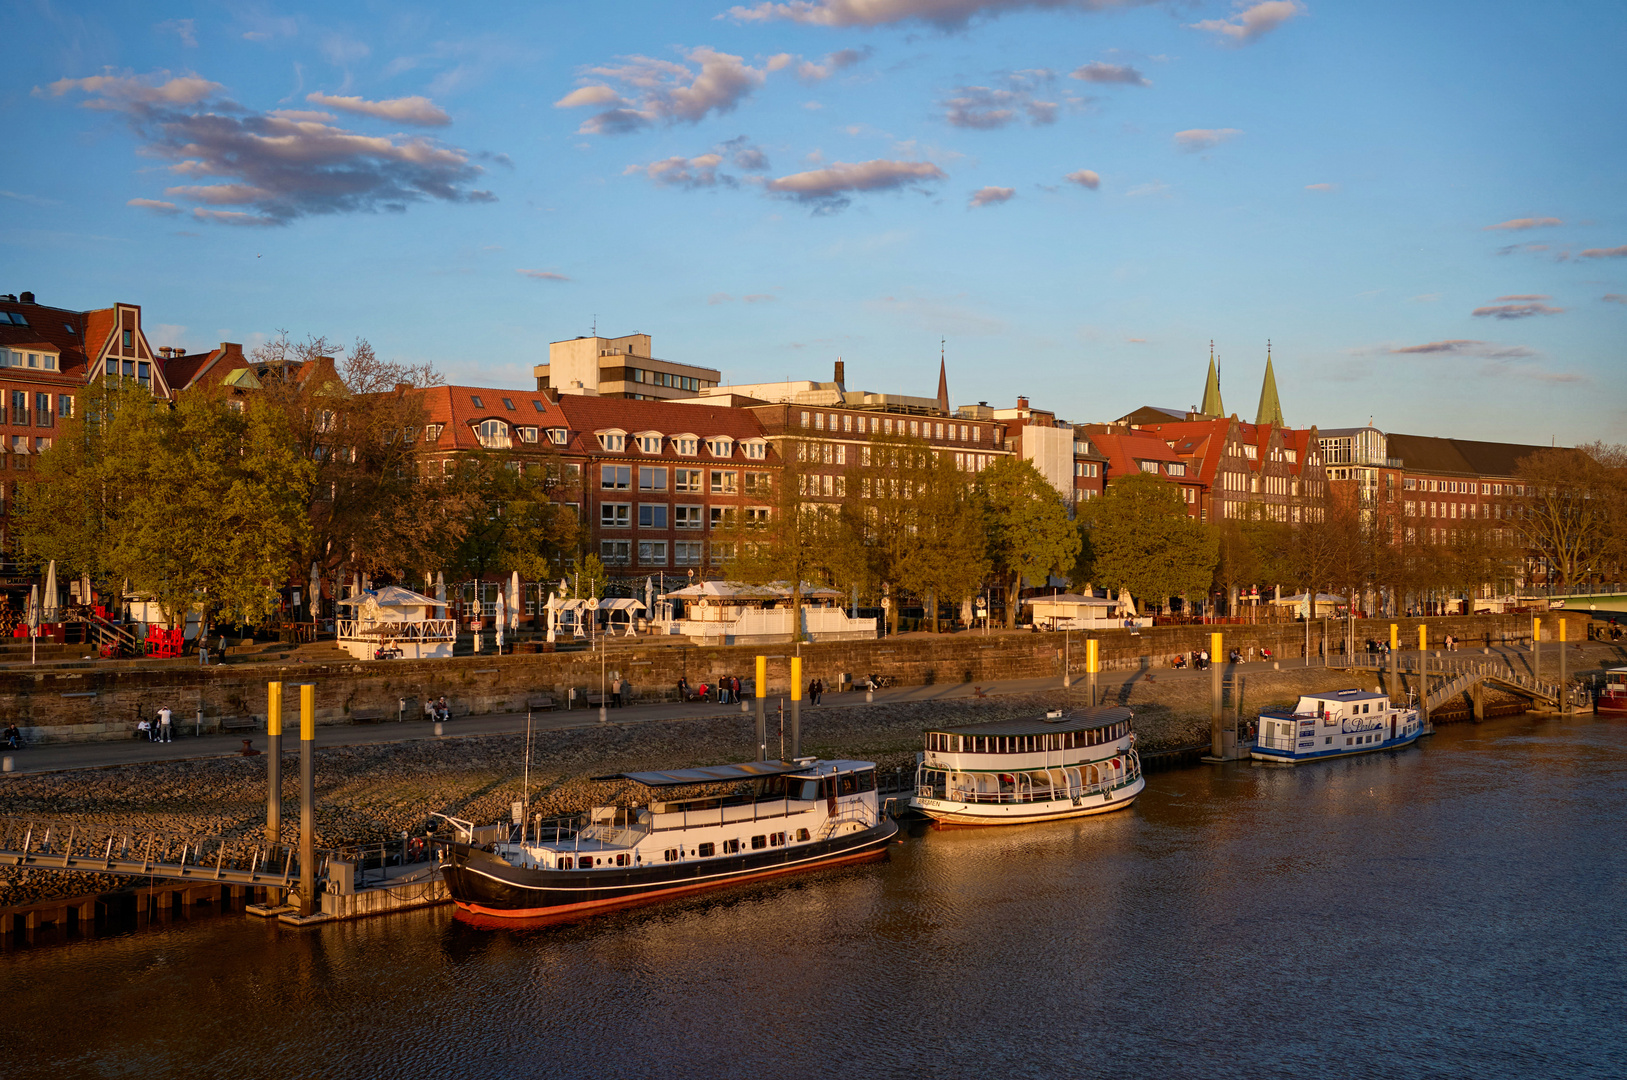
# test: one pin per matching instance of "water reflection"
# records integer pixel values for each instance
(1451, 909)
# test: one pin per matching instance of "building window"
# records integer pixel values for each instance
(650, 444)
(686, 480)
(756, 517)
(43, 416)
(508, 403)
(686, 553)
(725, 482)
(720, 447)
(804, 419)
(755, 449)
(129, 340)
(652, 552)
(652, 478)
(652, 516)
(615, 477)
(819, 421)
(558, 435)
(615, 552)
(758, 483)
(613, 440)
(688, 517)
(493, 434)
(723, 517)
(19, 407)
(527, 434)
(1175, 468)
(686, 444)
(615, 515)
(721, 553)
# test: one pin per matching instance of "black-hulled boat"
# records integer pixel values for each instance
(790, 817)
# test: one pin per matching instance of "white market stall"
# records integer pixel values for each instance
(732, 613)
(393, 622)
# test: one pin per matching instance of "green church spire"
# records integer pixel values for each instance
(1213, 407)
(1270, 411)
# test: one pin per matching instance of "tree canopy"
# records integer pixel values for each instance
(1028, 534)
(1145, 542)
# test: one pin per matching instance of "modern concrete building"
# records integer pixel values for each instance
(620, 367)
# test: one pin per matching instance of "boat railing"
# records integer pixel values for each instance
(614, 835)
(1277, 742)
(1040, 794)
(857, 810)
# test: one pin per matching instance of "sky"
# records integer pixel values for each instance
(1422, 207)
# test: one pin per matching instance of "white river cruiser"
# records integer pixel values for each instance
(785, 817)
(1335, 724)
(1014, 771)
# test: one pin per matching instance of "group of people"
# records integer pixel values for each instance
(437, 710)
(160, 730)
(726, 691)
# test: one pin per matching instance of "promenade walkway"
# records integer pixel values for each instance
(57, 757)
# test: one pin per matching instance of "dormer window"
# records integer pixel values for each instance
(528, 434)
(615, 440)
(686, 444)
(1175, 469)
(720, 446)
(756, 449)
(1149, 467)
(649, 442)
(493, 434)
(559, 436)
(432, 432)
(1251, 452)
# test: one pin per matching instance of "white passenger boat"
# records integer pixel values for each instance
(1336, 724)
(1013, 771)
(784, 817)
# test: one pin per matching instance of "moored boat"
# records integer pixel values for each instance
(785, 817)
(1063, 765)
(1336, 724)
(1612, 697)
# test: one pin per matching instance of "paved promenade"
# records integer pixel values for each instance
(57, 757)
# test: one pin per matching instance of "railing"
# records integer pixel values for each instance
(1119, 779)
(1464, 672)
(425, 630)
(854, 810)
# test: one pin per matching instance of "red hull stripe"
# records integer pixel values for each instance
(657, 894)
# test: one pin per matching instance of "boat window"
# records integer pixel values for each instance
(810, 791)
(731, 846)
(671, 854)
(848, 786)
(706, 851)
(960, 743)
(621, 860)
(759, 842)
(564, 862)
(866, 780)
(777, 839)
(802, 836)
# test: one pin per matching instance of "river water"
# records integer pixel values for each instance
(1454, 909)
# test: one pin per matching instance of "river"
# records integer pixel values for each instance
(1454, 909)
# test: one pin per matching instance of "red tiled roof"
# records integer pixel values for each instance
(61, 330)
(179, 371)
(99, 327)
(587, 415)
(455, 407)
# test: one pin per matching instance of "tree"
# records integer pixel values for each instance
(509, 524)
(945, 549)
(195, 504)
(1028, 532)
(796, 539)
(1145, 542)
(1564, 515)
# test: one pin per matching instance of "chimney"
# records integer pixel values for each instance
(27, 297)
(1022, 403)
(402, 387)
(841, 375)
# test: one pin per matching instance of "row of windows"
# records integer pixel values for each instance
(1087, 468)
(139, 370)
(666, 378)
(732, 847)
(848, 423)
(15, 411)
(508, 403)
(654, 553)
(655, 516)
(40, 361)
(651, 442)
(1025, 744)
(654, 478)
(1461, 487)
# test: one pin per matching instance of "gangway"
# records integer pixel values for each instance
(45, 844)
(1462, 675)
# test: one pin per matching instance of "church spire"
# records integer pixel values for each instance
(943, 383)
(1270, 411)
(1213, 407)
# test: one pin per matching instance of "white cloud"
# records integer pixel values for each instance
(404, 110)
(1151, 187)
(991, 196)
(829, 188)
(1519, 224)
(542, 275)
(120, 92)
(1194, 140)
(1321, 187)
(157, 206)
(662, 90)
(185, 29)
(1604, 253)
(1252, 21)
(1098, 72)
(1085, 178)
(701, 171)
(944, 14)
(810, 72)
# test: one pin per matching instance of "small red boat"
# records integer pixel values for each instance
(1612, 697)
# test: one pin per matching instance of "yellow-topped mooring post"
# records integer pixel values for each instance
(796, 707)
(1222, 743)
(307, 799)
(1562, 639)
(1392, 680)
(1093, 664)
(760, 690)
(1423, 679)
(274, 763)
(1536, 647)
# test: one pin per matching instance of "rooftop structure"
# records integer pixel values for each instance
(620, 367)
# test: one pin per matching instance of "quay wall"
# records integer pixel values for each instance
(92, 702)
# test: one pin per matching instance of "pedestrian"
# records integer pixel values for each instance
(615, 692)
(813, 691)
(443, 711)
(734, 688)
(163, 724)
(429, 711)
(683, 688)
(13, 737)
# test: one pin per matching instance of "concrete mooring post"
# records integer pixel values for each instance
(307, 799)
(1093, 664)
(1222, 743)
(761, 691)
(796, 707)
(274, 763)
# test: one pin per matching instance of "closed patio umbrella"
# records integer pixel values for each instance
(48, 610)
(514, 600)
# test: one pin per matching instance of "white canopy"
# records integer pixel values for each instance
(1073, 598)
(621, 604)
(391, 596)
(1321, 598)
(735, 590)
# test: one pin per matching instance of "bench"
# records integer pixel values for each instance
(539, 701)
(598, 699)
(366, 716)
(237, 723)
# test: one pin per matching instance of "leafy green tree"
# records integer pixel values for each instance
(1028, 532)
(1145, 542)
(945, 556)
(796, 541)
(197, 503)
(509, 523)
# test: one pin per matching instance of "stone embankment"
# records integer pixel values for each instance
(93, 701)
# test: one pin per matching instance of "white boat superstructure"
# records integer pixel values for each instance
(1013, 771)
(1335, 724)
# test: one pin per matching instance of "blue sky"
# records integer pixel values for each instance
(1420, 205)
